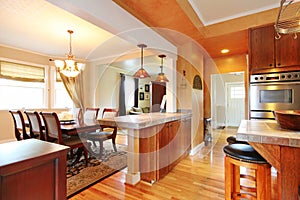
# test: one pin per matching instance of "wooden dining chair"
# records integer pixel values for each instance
(19, 125)
(76, 113)
(53, 130)
(35, 124)
(91, 113)
(104, 134)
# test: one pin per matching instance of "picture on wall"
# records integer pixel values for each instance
(147, 96)
(147, 88)
(142, 96)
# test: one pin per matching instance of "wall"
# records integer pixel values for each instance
(190, 60)
(226, 64)
(146, 102)
(10, 54)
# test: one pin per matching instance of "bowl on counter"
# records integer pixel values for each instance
(288, 119)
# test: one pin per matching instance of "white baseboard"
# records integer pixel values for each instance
(196, 149)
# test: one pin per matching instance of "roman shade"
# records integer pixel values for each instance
(20, 72)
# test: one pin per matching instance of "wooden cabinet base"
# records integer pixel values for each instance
(161, 147)
(32, 169)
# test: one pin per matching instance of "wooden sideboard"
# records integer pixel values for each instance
(32, 169)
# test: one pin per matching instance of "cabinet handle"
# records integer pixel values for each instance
(271, 65)
(278, 64)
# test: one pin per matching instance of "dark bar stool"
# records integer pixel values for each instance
(243, 155)
(232, 140)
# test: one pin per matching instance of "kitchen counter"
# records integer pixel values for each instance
(280, 147)
(144, 120)
(156, 143)
(267, 132)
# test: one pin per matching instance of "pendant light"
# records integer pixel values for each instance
(161, 76)
(69, 67)
(141, 73)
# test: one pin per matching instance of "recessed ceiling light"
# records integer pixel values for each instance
(224, 50)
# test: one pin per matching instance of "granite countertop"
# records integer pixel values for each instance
(144, 120)
(268, 132)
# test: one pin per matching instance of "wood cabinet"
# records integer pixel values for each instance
(32, 169)
(157, 91)
(267, 54)
(163, 149)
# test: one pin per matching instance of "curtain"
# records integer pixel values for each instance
(136, 92)
(74, 87)
(122, 107)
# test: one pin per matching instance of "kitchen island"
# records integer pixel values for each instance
(156, 143)
(280, 147)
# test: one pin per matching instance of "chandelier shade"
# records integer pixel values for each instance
(141, 73)
(69, 67)
(161, 76)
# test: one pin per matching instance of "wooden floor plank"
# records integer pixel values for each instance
(196, 177)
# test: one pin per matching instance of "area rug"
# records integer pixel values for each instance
(79, 176)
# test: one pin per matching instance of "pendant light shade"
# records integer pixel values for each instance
(161, 76)
(141, 73)
(69, 67)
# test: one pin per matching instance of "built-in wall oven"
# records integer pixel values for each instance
(276, 91)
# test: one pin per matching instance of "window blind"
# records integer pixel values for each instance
(20, 72)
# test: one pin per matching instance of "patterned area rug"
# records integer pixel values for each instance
(80, 177)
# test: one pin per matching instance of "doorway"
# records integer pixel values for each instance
(235, 103)
(227, 99)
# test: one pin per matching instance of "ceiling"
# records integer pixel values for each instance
(40, 26)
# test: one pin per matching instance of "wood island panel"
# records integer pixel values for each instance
(281, 148)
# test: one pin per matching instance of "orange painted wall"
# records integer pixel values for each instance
(222, 65)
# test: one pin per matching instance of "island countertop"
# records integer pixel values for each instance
(267, 132)
(144, 120)
(280, 147)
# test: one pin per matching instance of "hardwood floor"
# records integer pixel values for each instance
(196, 177)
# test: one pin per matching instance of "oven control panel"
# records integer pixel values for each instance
(275, 77)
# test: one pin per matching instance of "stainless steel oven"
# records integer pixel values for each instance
(276, 91)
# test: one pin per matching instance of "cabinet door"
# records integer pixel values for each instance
(186, 128)
(175, 141)
(287, 51)
(163, 150)
(261, 48)
(148, 156)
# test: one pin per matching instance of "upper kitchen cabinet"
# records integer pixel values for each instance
(267, 54)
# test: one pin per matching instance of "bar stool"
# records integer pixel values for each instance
(243, 155)
(232, 140)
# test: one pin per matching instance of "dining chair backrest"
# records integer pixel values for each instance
(76, 113)
(110, 113)
(35, 124)
(19, 123)
(91, 113)
(52, 126)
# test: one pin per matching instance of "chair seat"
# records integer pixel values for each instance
(72, 141)
(98, 135)
(244, 152)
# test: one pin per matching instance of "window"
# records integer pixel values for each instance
(237, 92)
(61, 96)
(23, 86)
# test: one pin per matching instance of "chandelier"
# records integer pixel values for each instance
(161, 76)
(69, 67)
(141, 73)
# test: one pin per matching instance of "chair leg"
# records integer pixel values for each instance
(101, 148)
(114, 144)
(86, 155)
